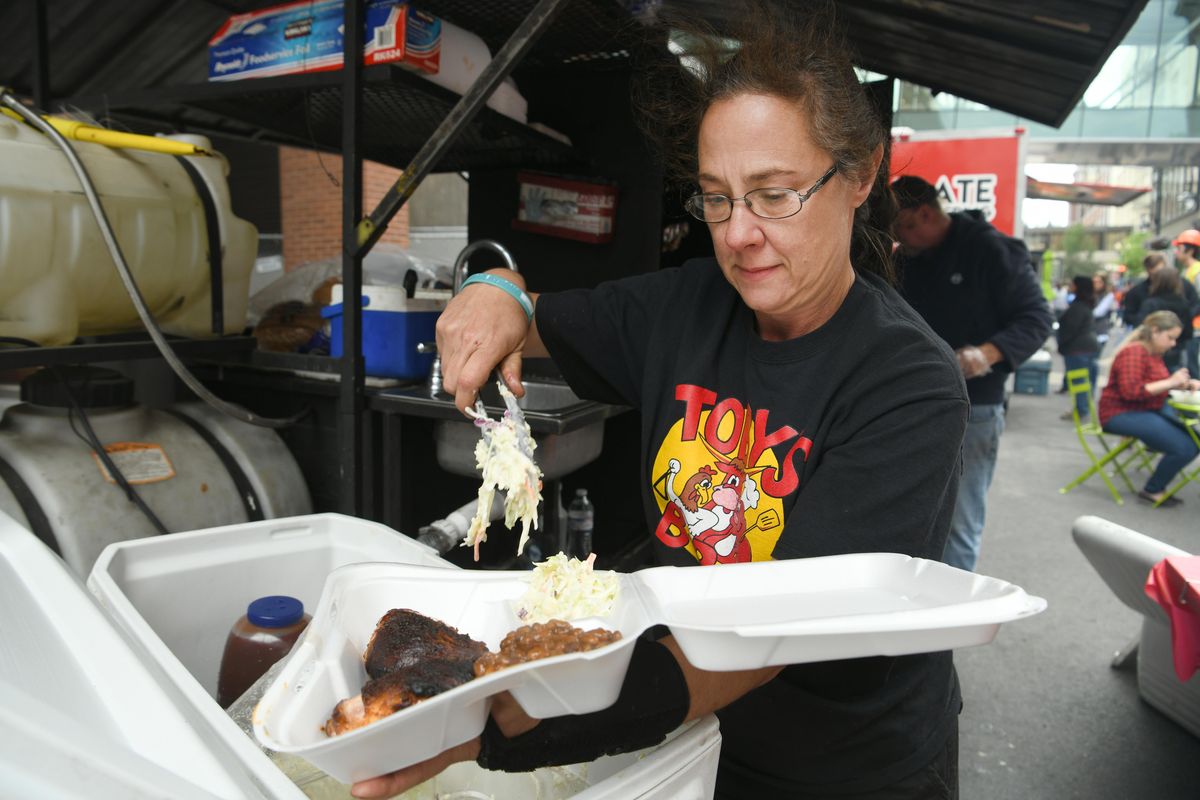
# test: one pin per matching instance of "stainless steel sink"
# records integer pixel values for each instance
(569, 431)
(539, 397)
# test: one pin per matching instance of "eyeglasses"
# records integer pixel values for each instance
(768, 203)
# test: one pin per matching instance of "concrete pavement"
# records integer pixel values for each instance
(1044, 715)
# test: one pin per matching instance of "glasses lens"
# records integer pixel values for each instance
(774, 203)
(709, 207)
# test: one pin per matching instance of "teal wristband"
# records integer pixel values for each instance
(514, 291)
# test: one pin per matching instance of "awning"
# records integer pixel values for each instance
(1033, 58)
(1086, 193)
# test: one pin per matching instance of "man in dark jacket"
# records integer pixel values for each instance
(977, 289)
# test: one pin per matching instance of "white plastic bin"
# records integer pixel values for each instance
(175, 596)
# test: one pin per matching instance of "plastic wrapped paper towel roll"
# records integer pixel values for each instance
(464, 55)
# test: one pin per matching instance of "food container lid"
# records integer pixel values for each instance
(275, 611)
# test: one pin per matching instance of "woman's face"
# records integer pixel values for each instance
(1164, 340)
(790, 271)
(1098, 285)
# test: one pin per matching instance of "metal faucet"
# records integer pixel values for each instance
(461, 266)
(461, 263)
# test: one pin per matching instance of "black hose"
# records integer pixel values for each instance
(93, 441)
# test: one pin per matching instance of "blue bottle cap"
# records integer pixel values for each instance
(275, 611)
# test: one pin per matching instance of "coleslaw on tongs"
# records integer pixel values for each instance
(504, 454)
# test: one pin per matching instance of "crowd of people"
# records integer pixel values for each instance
(1157, 353)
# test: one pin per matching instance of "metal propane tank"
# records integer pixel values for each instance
(58, 280)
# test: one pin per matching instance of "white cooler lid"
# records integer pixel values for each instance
(394, 298)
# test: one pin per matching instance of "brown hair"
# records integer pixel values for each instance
(1153, 261)
(796, 54)
(1155, 322)
(1166, 281)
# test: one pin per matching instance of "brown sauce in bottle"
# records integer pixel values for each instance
(262, 636)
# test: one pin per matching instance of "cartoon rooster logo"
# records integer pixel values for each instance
(711, 515)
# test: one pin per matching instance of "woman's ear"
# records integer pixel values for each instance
(864, 186)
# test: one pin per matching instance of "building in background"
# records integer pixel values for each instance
(1136, 126)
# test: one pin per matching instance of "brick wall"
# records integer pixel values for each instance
(311, 205)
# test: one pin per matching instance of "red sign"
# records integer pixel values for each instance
(983, 173)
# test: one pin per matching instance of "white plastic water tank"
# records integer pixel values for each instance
(193, 467)
(57, 278)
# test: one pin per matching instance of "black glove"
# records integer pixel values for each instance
(653, 702)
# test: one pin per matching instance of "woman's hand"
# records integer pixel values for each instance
(402, 780)
(1179, 378)
(510, 718)
(482, 328)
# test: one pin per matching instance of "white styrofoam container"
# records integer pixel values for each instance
(736, 617)
(171, 596)
(80, 715)
(824, 609)
(327, 667)
(174, 598)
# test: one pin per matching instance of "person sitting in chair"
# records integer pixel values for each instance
(1133, 402)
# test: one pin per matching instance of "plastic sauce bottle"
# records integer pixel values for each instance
(581, 516)
(257, 640)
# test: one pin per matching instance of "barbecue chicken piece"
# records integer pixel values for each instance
(404, 638)
(410, 658)
(395, 691)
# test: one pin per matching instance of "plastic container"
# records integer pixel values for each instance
(57, 279)
(259, 638)
(193, 466)
(581, 518)
(173, 598)
(741, 616)
(1033, 377)
(393, 324)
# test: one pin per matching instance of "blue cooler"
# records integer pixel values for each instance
(1033, 377)
(393, 324)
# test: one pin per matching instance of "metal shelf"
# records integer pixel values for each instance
(400, 110)
(120, 350)
(396, 117)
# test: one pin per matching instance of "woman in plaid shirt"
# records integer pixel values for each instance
(1133, 402)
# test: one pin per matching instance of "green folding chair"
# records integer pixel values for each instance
(1078, 382)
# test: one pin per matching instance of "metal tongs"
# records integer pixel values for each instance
(515, 413)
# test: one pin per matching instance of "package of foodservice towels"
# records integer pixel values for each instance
(307, 37)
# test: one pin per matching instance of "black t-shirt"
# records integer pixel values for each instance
(978, 286)
(840, 441)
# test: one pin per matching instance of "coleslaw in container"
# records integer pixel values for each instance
(567, 589)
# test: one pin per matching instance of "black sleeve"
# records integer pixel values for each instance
(1022, 311)
(1131, 305)
(597, 337)
(654, 701)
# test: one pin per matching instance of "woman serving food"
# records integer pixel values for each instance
(811, 413)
